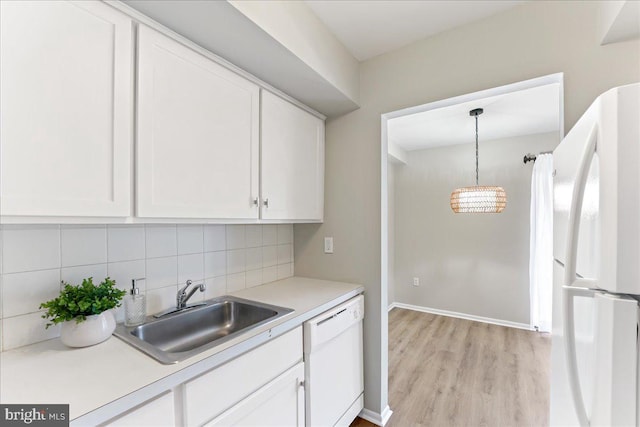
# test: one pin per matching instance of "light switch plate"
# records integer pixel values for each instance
(328, 245)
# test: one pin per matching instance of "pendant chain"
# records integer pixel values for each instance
(476, 150)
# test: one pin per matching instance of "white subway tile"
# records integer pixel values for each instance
(161, 272)
(269, 256)
(269, 274)
(83, 245)
(269, 234)
(161, 241)
(118, 313)
(215, 264)
(215, 238)
(190, 239)
(253, 278)
(253, 258)
(190, 267)
(27, 329)
(216, 286)
(161, 299)
(253, 236)
(236, 237)
(23, 293)
(285, 233)
(75, 275)
(123, 272)
(28, 248)
(235, 282)
(284, 254)
(284, 271)
(125, 243)
(236, 260)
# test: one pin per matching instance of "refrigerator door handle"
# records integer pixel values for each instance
(573, 228)
(568, 294)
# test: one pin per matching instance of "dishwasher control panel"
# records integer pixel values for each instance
(333, 322)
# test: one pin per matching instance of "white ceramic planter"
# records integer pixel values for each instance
(94, 330)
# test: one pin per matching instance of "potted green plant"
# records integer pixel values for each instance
(84, 311)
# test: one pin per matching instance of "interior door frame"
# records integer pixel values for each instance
(397, 155)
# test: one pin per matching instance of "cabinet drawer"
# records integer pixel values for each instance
(157, 412)
(213, 392)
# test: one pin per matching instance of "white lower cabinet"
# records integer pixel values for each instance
(279, 403)
(155, 413)
(239, 381)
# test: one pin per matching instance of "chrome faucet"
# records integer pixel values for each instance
(183, 296)
(181, 300)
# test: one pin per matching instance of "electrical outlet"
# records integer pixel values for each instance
(416, 281)
(328, 245)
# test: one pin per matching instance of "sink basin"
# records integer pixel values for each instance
(186, 333)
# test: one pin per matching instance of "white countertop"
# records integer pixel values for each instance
(91, 377)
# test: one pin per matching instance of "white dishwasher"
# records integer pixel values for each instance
(333, 365)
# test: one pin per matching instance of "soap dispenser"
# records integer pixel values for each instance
(135, 306)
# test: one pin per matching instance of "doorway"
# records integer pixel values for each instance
(471, 266)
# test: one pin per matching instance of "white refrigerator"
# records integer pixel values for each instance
(594, 352)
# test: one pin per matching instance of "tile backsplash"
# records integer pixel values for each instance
(34, 259)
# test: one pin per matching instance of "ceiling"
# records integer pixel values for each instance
(525, 112)
(370, 28)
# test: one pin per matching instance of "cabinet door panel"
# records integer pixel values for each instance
(279, 403)
(197, 134)
(66, 109)
(240, 377)
(292, 161)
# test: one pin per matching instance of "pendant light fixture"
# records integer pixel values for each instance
(480, 198)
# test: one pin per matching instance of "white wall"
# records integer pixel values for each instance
(475, 264)
(35, 258)
(532, 40)
(296, 27)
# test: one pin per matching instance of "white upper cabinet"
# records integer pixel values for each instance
(198, 134)
(66, 109)
(292, 162)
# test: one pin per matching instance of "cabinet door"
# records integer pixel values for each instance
(155, 413)
(198, 134)
(66, 109)
(279, 403)
(292, 161)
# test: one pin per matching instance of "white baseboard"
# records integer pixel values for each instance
(392, 306)
(374, 417)
(462, 316)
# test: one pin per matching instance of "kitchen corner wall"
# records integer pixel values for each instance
(35, 258)
(532, 40)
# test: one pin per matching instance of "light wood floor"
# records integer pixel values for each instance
(451, 372)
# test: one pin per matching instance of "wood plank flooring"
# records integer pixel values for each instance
(452, 372)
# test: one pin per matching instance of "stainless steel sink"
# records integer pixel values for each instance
(186, 333)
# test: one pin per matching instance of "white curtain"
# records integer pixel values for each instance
(541, 243)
